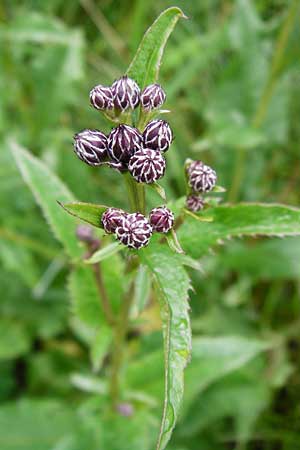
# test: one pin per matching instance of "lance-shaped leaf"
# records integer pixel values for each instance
(47, 188)
(173, 284)
(88, 212)
(144, 68)
(246, 219)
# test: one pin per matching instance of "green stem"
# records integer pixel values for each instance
(120, 332)
(267, 94)
(136, 194)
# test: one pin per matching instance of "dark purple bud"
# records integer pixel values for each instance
(112, 218)
(126, 93)
(194, 203)
(201, 177)
(158, 135)
(152, 97)
(161, 219)
(91, 146)
(123, 142)
(101, 97)
(147, 165)
(135, 231)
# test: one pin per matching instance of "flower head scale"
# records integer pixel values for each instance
(201, 177)
(147, 165)
(91, 146)
(101, 97)
(126, 93)
(135, 231)
(158, 135)
(152, 97)
(161, 219)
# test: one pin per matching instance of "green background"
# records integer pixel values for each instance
(231, 74)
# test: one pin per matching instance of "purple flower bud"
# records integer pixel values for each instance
(123, 142)
(85, 233)
(126, 93)
(112, 218)
(147, 165)
(161, 219)
(91, 146)
(202, 178)
(194, 203)
(101, 97)
(135, 231)
(152, 97)
(158, 135)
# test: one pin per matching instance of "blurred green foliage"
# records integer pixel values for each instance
(232, 76)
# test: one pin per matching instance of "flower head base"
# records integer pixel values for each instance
(201, 177)
(194, 203)
(135, 231)
(91, 146)
(126, 94)
(161, 219)
(158, 135)
(147, 165)
(101, 97)
(152, 97)
(123, 142)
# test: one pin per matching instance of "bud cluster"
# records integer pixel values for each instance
(135, 230)
(201, 179)
(126, 148)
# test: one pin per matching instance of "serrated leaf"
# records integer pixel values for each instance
(104, 253)
(100, 346)
(142, 289)
(88, 212)
(144, 68)
(246, 219)
(47, 189)
(85, 296)
(173, 284)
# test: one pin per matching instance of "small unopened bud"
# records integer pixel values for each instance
(123, 142)
(147, 165)
(126, 93)
(161, 219)
(194, 203)
(152, 97)
(91, 146)
(158, 135)
(135, 231)
(85, 233)
(112, 218)
(201, 177)
(101, 97)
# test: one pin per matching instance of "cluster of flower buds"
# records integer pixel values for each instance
(201, 179)
(126, 148)
(135, 230)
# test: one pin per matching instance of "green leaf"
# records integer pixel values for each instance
(142, 290)
(145, 66)
(14, 339)
(229, 221)
(173, 284)
(100, 346)
(88, 212)
(47, 189)
(85, 296)
(104, 253)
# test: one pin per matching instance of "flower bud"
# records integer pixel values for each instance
(126, 93)
(158, 135)
(161, 219)
(147, 165)
(101, 97)
(194, 203)
(112, 218)
(123, 142)
(152, 97)
(91, 146)
(135, 231)
(201, 177)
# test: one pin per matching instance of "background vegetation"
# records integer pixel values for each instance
(232, 78)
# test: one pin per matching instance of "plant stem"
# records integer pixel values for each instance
(136, 194)
(120, 330)
(106, 306)
(266, 97)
